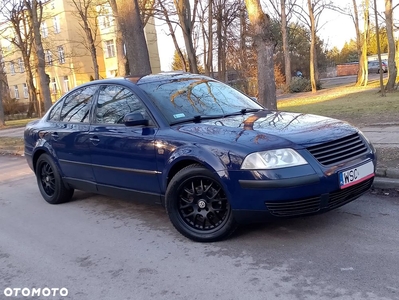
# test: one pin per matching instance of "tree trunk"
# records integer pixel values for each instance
(379, 49)
(392, 71)
(33, 8)
(184, 13)
(3, 92)
(119, 43)
(210, 38)
(313, 54)
(264, 45)
(362, 77)
(287, 57)
(133, 34)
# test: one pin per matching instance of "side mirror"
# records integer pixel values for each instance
(134, 119)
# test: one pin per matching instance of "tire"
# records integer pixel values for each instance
(50, 183)
(198, 206)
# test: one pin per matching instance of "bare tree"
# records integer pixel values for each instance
(129, 19)
(3, 90)
(283, 11)
(86, 11)
(20, 35)
(379, 49)
(392, 71)
(311, 18)
(34, 10)
(172, 31)
(184, 14)
(264, 44)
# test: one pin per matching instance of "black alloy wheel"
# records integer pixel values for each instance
(198, 206)
(50, 183)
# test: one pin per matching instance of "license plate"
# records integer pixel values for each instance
(355, 175)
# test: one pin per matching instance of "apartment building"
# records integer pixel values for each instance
(68, 60)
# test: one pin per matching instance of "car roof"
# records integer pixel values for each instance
(143, 79)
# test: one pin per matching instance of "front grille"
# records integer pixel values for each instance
(339, 150)
(348, 194)
(294, 208)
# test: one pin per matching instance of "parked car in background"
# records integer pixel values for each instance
(374, 67)
(211, 155)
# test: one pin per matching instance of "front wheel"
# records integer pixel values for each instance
(50, 183)
(198, 206)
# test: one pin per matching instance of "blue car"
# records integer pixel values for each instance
(213, 157)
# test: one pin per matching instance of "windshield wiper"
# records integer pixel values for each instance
(243, 112)
(197, 119)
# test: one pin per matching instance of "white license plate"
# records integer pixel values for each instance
(355, 175)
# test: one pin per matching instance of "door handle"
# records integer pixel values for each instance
(54, 136)
(94, 140)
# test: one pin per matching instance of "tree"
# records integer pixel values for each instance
(34, 11)
(362, 77)
(86, 11)
(182, 65)
(379, 49)
(264, 44)
(3, 90)
(284, 12)
(119, 43)
(129, 19)
(183, 9)
(392, 71)
(20, 34)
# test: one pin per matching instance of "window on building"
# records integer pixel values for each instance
(61, 54)
(21, 65)
(26, 92)
(12, 67)
(53, 86)
(16, 92)
(49, 57)
(56, 24)
(66, 84)
(109, 49)
(44, 30)
(52, 5)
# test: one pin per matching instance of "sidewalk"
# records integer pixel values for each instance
(380, 135)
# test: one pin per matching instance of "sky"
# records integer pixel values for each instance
(335, 31)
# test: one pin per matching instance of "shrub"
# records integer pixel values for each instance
(300, 84)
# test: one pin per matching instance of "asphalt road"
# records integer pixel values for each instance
(103, 248)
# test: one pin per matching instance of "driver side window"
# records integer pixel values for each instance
(114, 102)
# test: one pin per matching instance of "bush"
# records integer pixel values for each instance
(300, 84)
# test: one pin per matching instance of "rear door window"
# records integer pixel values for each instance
(77, 105)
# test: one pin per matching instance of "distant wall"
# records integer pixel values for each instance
(347, 69)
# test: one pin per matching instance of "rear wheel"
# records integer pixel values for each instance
(198, 206)
(50, 183)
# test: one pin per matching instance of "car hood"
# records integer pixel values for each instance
(271, 126)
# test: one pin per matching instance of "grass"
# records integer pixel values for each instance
(11, 144)
(359, 106)
(17, 123)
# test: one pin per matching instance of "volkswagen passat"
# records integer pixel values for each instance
(211, 155)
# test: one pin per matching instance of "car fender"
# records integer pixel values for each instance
(198, 154)
(42, 145)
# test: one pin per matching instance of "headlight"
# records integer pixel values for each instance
(273, 159)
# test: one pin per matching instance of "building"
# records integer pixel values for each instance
(68, 60)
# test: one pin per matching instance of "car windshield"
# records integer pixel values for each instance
(198, 98)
